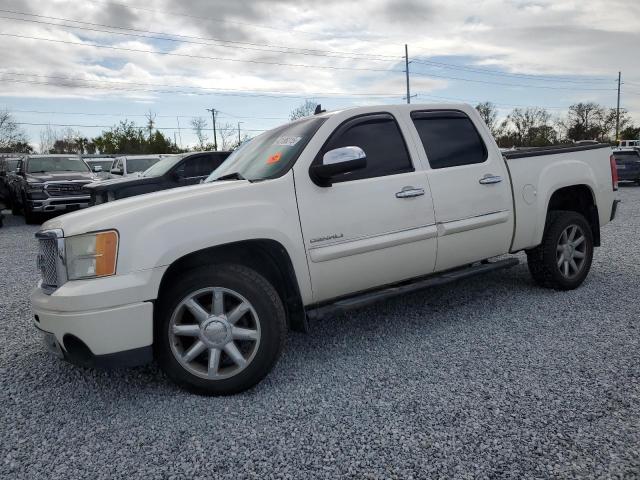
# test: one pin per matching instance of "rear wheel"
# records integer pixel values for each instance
(563, 259)
(219, 329)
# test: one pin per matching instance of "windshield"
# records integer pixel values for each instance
(56, 164)
(105, 164)
(270, 154)
(140, 164)
(11, 165)
(162, 167)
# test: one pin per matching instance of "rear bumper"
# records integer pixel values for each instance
(614, 209)
(54, 204)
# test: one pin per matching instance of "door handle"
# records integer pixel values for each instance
(489, 178)
(408, 192)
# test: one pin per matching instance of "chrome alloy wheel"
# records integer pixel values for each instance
(214, 333)
(571, 251)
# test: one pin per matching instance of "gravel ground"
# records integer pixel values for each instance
(491, 377)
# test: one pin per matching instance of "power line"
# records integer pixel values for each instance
(548, 78)
(201, 57)
(111, 126)
(105, 114)
(191, 39)
(214, 91)
(424, 74)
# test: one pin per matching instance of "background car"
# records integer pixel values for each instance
(101, 166)
(170, 172)
(132, 164)
(628, 164)
(49, 183)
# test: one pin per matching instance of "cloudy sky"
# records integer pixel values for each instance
(91, 63)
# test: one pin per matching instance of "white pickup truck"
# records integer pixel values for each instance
(321, 215)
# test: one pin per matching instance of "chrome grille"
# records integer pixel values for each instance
(65, 189)
(48, 261)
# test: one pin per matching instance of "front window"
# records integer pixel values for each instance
(140, 164)
(270, 154)
(161, 167)
(12, 165)
(56, 164)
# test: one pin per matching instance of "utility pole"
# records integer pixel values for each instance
(618, 108)
(239, 140)
(179, 131)
(406, 64)
(213, 116)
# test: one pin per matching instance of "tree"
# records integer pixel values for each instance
(11, 135)
(630, 133)
(489, 115)
(585, 121)
(228, 136)
(199, 125)
(529, 127)
(304, 110)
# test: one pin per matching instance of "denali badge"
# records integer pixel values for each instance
(334, 236)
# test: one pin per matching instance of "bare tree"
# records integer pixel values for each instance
(151, 122)
(199, 125)
(228, 133)
(10, 132)
(489, 114)
(304, 110)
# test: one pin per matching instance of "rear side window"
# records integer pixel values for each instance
(380, 138)
(449, 138)
(200, 166)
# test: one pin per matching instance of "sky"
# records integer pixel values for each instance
(91, 63)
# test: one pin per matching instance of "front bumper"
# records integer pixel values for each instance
(103, 322)
(54, 204)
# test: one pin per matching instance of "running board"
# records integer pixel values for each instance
(367, 298)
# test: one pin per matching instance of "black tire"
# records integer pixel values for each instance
(30, 217)
(257, 291)
(543, 260)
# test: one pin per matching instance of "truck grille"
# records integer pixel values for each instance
(47, 262)
(65, 189)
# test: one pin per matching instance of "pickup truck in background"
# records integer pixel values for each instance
(322, 215)
(49, 183)
(8, 166)
(170, 172)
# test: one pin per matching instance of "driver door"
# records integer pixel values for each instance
(365, 231)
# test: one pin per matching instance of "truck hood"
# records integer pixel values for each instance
(115, 184)
(59, 177)
(111, 214)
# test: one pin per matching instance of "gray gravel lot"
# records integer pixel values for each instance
(491, 377)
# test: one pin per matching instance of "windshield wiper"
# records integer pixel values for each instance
(231, 176)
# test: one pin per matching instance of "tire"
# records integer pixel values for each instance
(238, 286)
(549, 263)
(29, 216)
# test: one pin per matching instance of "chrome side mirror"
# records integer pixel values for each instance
(338, 161)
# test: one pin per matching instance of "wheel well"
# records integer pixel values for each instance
(578, 198)
(267, 257)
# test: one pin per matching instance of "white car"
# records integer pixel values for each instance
(324, 214)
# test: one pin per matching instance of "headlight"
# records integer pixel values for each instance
(92, 255)
(35, 187)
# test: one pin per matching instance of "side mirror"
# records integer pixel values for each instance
(116, 171)
(337, 162)
(97, 168)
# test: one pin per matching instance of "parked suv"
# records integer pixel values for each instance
(131, 164)
(49, 183)
(628, 164)
(169, 172)
(7, 176)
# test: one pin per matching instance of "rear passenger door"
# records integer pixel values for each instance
(470, 187)
(373, 226)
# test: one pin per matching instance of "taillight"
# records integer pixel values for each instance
(614, 173)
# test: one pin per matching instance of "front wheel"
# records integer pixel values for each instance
(219, 329)
(563, 259)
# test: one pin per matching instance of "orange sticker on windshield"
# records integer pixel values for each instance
(274, 158)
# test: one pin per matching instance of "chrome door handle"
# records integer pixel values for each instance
(489, 178)
(408, 192)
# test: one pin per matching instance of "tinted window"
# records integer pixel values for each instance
(449, 139)
(199, 166)
(380, 138)
(56, 164)
(140, 164)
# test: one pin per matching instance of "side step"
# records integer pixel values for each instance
(367, 298)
